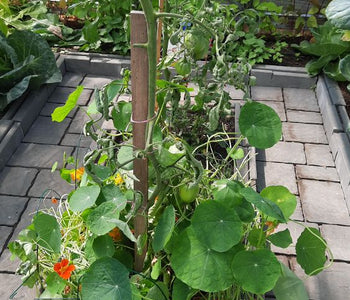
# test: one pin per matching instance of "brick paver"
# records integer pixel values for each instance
(304, 133)
(300, 99)
(265, 93)
(323, 202)
(285, 152)
(319, 155)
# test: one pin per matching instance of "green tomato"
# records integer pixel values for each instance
(188, 192)
(197, 42)
(183, 68)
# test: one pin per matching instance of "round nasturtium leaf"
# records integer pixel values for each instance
(227, 192)
(280, 195)
(311, 251)
(48, 231)
(106, 279)
(84, 197)
(256, 271)
(103, 218)
(260, 124)
(218, 227)
(289, 286)
(200, 267)
(103, 246)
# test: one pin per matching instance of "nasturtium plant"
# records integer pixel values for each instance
(280, 195)
(257, 271)
(197, 265)
(211, 218)
(84, 197)
(264, 129)
(106, 279)
(289, 286)
(48, 231)
(310, 249)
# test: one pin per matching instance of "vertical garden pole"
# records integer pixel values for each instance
(139, 87)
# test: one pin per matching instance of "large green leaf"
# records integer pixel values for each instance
(227, 192)
(33, 57)
(103, 218)
(218, 227)
(48, 230)
(103, 246)
(311, 251)
(106, 279)
(344, 67)
(289, 286)
(266, 206)
(113, 193)
(256, 271)
(199, 267)
(280, 195)
(260, 124)
(60, 113)
(332, 71)
(315, 66)
(84, 197)
(164, 229)
(338, 12)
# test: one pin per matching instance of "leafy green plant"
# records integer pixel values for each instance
(26, 63)
(106, 24)
(331, 44)
(206, 232)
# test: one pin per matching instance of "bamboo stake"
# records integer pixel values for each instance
(139, 87)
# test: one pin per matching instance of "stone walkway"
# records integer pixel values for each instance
(302, 161)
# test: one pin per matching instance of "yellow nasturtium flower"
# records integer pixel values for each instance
(118, 179)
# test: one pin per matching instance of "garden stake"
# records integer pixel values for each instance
(139, 86)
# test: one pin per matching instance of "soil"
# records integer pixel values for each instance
(291, 57)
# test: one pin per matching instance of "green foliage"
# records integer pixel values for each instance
(60, 113)
(310, 250)
(331, 47)
(106, 279)
(164, 229)
(106, 24)
(289, 286)
(257, 271)
(262, 131)
(200, 225)
(338, 12)
(26, 63)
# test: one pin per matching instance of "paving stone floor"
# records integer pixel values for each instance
(302, 161)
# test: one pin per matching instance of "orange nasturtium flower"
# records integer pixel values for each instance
(76, 174)
(64, 269)
(115, 234)
(54, 200)
(118, 180)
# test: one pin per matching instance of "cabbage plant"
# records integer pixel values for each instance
(26, 62)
